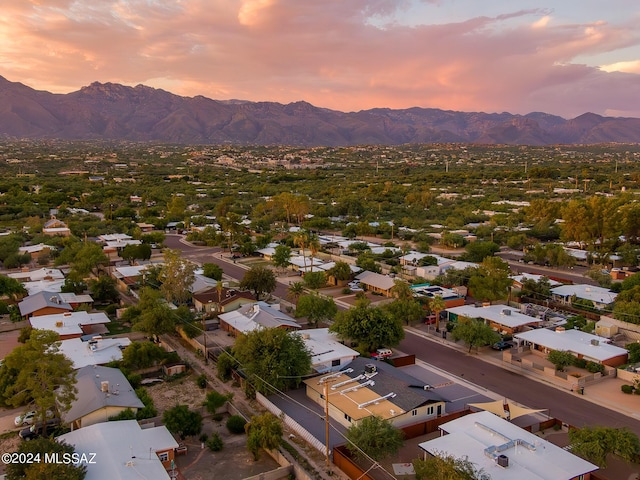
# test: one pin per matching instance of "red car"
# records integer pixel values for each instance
(381, 354)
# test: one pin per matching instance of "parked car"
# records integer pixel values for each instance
(502, 345)
(381, 353)
(28, 418)
(39, 428)
(355, 286)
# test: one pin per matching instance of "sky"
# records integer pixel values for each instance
(564, 57)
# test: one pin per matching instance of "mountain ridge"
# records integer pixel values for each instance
(111, 111)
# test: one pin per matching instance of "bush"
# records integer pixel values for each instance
(201, 381)
(626, 389)
(235, 424)
(215, 443)
(203, 438)
(216, 417)
(346, 291)
(594, 367)
(580, 363)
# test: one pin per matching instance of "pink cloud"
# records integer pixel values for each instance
(328, 53)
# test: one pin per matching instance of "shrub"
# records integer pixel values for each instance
(346, 291)
(580, 363)
(215, 443)
(201, 381)
(216, 417)
(235, 424)
(594, 367)
(626, 389)
(203, 438)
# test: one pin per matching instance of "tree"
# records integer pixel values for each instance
(490, 281)
(39, 470)
(478, 251)
(274, 355)
(134, 252)
(405, 308)
(316, 308)
(447, 467)
(212, 270)
(315, 280)
(156, 317)
(260, 280)
(295, 290)
(561, 359)
(375, 437)
(215, 400)
(263, 431)
(437, 305)
(595, 443)
(341, 271)
(182, 421)
(103, 289)
(12, 288)
(143, 355)
(370, 327)
(474, 333)
(45, 377)
(282, 256)
(176, 275)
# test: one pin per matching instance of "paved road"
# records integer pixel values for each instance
(569, 408)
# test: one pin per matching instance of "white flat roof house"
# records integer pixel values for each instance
(327, 353)
(93, 352)
(501, 317)
(581, 344)
(601, 297)
(69, 324)
(123, 450)
(505, 451)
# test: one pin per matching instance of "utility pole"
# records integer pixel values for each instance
(324, 381)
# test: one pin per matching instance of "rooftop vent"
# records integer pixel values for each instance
(506, 311)
(503, 461)
(595, 342)
(104, 386)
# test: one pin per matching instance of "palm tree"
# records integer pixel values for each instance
(314, 246)
(301, 239)
(295, 290)
(437, 305)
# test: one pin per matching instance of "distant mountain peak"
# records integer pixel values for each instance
(112, 111)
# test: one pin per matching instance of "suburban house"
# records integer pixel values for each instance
(72, 324)
(127, 450)
(43, 303)
(328, 354)
(130, 275)
(601, 297)
(518, 280)
(103, 392)
(451, 297)
(583, 345)
(37, 275)
(36, 251)
(375, 282)
(55, 227)
(305, 264)
(501, 318)
(97, 351)
(365, 389)
(210, 300)
(505, 451)
(411, 265)
(254, 316)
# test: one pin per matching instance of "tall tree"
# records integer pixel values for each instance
(263, 431)
(45, 377)
(12, 288)
(177, 276)
(371, 327)
(282, 256)
(437, 305)
(182, 421)
(295, 290)
(375, 437)
(274, 355)
(212, 270)
(260, 280)
(316, 308)
(301, 239)
(152, 315)
(490, 281)
(103, 289)
(405, 308)
(341, 271)
(474, 333)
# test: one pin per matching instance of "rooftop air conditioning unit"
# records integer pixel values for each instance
(59, 324)
(506, 311)
(595, 342)
(503, 461)
(369, 368)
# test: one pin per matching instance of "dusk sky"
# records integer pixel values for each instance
(564, 57)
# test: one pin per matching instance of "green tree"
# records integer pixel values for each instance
(477, 251)
(474, 333)
(216, 400)
(295, 290)
(374, 436)
(263, 431)
(12, 288)
(315, 280)
(316, 309)
(405, 308)
(142, 355)
(39, 470)
(282, 256)
(103, 289)
(370, 327)
(274, 355)
(447, 467)
(182, 421)
(259, 280)
(490, 281)
(341, 271)
(156, 317)
(176, 275)
(45, 377)
(366, 261)
(437, 305)
(595, 443)
(561, 359)
(212, 270)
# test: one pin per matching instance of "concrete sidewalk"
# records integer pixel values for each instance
(606, 393)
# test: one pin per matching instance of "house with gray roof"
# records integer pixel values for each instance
(369, 388)
(255, 316)
(103, 392)
(43, 303)
(375, 282)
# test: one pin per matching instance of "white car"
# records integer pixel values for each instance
(28, 418)
(355, 287)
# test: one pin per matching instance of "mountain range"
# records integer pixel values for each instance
(109, 111)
